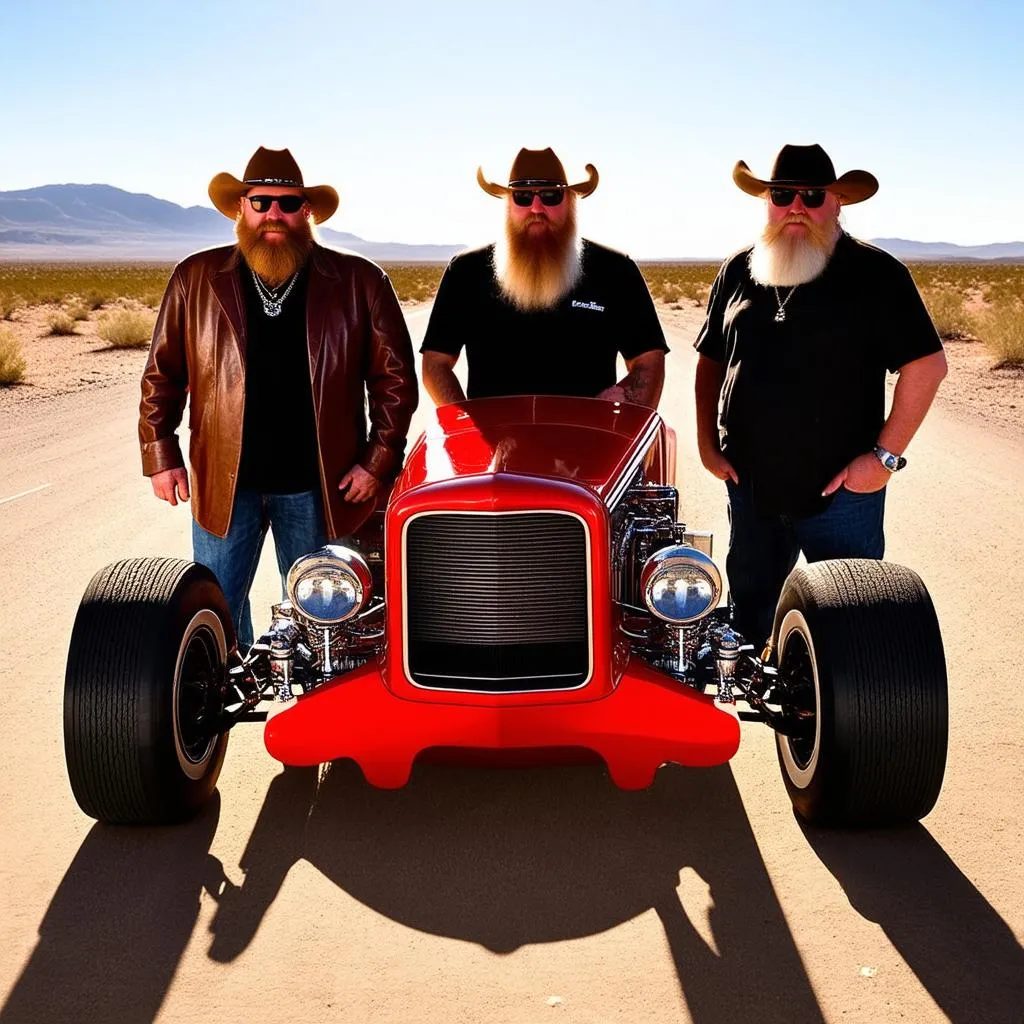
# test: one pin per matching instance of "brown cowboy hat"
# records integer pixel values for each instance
(537, 168)
(270, 167)
(808, 167)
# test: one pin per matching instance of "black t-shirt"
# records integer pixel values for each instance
(804, 397)
(569, 349)
(279, 444)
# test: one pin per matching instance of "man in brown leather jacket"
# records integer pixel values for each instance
(277, 342)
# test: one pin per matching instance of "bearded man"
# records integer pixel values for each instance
(543, 311)
(276, 342)
(790, 386)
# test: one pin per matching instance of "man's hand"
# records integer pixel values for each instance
(171, 484)
(718, 465)
(862, 476)
(361, 485)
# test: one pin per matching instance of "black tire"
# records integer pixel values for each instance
(858, 645)
(147, 662)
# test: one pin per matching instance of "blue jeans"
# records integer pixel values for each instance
(764, 548)
(298, 524)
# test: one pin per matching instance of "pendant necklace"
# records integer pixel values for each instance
(780, 316)
(269, 297)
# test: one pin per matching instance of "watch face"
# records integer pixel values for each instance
(891, 462)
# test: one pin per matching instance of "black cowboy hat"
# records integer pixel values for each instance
(808, 167)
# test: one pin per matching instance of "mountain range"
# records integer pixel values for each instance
(77, 222)
(908, 250)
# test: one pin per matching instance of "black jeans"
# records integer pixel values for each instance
(764, 548)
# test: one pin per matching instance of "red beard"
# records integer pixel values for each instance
(275, 262)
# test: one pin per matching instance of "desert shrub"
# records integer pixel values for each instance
(1001, 327)
(60, 323)
(948, 312)
(78, 310)
(9, 305)
(12, 362)
(1006, 285)
(673, 282)
(414, 282)
(127, 328)
(991, 280)
(97, 283)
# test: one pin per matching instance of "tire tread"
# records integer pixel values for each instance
(887, 671)
(120, 617)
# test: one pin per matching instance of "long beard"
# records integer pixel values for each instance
(781, 261)
(535, 269)
(275, 262)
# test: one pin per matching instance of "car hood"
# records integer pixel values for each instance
(586, 440)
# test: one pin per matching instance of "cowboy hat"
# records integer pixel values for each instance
(536, 168)
(808, 167)
(270, 167)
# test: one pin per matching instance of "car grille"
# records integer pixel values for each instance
(497, 602)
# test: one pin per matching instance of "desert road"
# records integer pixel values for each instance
(507, 896)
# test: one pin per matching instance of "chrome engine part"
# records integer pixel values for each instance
(338, 649)
(726, 646)
(328, 629)
(668, 589)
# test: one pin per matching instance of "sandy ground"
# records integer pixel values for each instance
(519, 896)
(62, 364)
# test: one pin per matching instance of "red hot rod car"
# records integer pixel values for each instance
(530, 596)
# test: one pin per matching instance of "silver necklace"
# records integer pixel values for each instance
(780, 316)
(272, 303)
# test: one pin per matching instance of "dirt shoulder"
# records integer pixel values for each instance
(60, 364)
(57, 365)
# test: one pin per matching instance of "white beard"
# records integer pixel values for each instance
(787, 262)
(529, 289)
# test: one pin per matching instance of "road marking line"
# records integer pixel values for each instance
(14, 497)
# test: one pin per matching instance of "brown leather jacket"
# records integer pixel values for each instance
(356, 335)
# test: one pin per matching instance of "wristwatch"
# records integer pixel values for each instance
(893, 463)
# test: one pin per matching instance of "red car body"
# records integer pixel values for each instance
(565, 462)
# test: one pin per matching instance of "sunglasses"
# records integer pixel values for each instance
(812, 197)
(548, 196)
(286, 204)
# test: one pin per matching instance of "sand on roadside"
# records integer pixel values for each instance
(60, 364)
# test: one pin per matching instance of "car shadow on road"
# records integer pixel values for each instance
(505, 858)
(963, 953)
(117, 926)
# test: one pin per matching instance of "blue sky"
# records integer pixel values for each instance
(396, 104)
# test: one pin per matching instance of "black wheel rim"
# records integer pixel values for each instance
(797, 675)
(198, 688)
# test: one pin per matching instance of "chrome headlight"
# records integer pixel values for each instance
(329, 585)
(680, 584)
